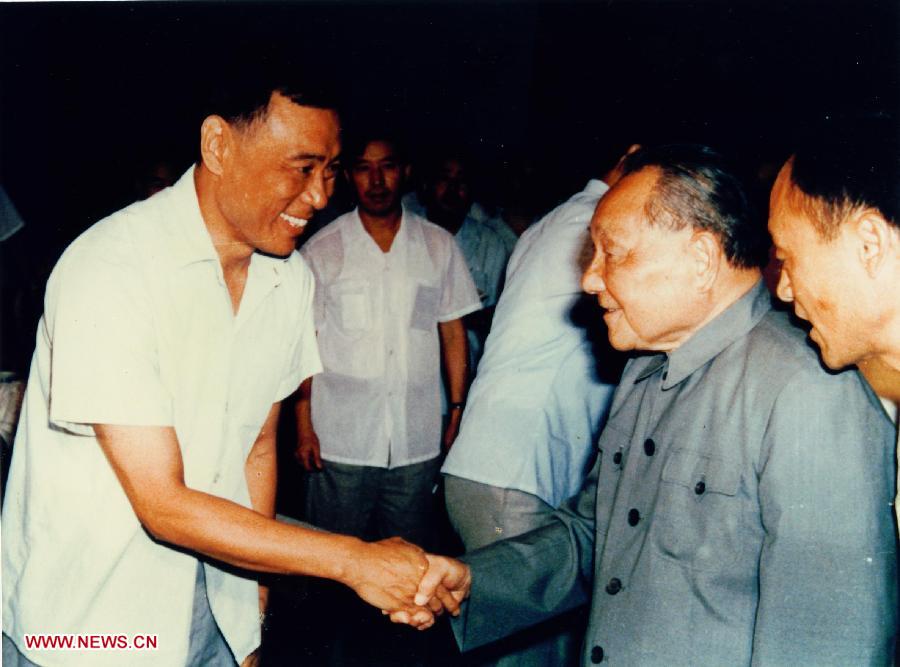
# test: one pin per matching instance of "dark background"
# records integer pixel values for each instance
(90, 91)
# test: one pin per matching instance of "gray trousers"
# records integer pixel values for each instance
(374, 503)
(482, 514)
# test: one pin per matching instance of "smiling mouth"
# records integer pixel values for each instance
(293, 221)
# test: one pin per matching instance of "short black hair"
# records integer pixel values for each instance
(435, 157)
(698, 187)
(356, 140)
(241, 93)
(849, 164)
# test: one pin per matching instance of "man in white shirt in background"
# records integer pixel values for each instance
(448, 202)
(536, 406)
(391, 289)
(143, 473)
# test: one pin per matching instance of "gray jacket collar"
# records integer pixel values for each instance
(730, 325)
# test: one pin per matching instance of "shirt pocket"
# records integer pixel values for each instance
(698, 520)
(351, 304)
(425, 308)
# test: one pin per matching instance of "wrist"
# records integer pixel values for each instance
(347, 564)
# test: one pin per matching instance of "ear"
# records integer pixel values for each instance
(215, 134)
(407, 172)
(706, 259)
(874, 237)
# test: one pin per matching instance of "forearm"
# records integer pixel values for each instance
(245, 538)
(455, 352)
(519, 582)
(302, 407)
(261, 472)
(147, 461)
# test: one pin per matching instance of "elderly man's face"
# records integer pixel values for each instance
(640, 273)
(819, 276)
(277, 172)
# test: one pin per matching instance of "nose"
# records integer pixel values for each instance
(316, 193)
(784, 290)
(378, 177)
(592, 280)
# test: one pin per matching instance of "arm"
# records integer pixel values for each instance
(308, 451)
(517, 582)
(827, 570)
(480, 322)
(261, 473)
(455, 352)
(147, 461)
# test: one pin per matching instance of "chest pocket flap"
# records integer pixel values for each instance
(351, 304)
(702, 473)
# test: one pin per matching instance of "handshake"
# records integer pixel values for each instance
(409, 585)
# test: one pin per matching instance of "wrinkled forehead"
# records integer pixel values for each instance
(624, 207)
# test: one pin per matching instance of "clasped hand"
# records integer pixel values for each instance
(411, 586)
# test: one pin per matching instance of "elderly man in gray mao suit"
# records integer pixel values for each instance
(740, 508)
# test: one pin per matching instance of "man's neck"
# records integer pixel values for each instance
(234, 255)
(382, 228)
(890, 354)
(449, 223)
(727, 291)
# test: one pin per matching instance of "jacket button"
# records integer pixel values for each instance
(617, 458)
(614, 586)
(597, 654)
(700, 488)
(649, 447)
(633, 517)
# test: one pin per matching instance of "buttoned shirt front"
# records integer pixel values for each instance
(139, 329)
(537, 403)
(739, 513)
(377, 315)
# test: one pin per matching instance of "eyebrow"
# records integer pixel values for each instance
(309, 156)
(606, 239)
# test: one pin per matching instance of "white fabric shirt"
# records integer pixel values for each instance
(138, 329)
(378, 401)
(536, 406)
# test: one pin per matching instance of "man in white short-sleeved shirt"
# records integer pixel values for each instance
(448, 201)
(390, 291)
(147, 439)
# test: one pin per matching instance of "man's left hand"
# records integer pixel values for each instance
(452, 429)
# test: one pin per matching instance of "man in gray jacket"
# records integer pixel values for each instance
(739, 511)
